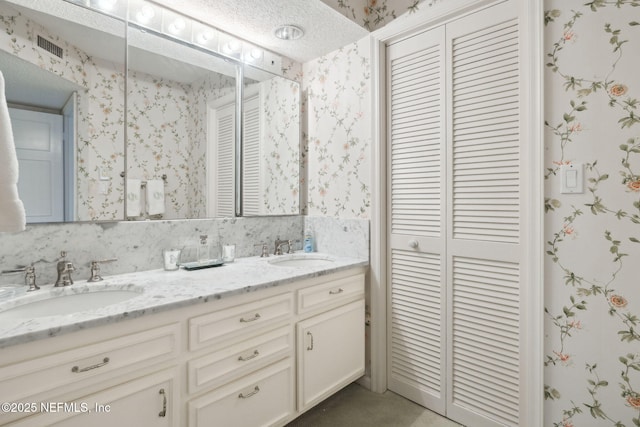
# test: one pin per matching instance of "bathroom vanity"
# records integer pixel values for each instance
(252, 343)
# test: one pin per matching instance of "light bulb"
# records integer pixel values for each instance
(177, 26)
(205, 36)
(232, 46)
(256, 53)
(107, 4)
(145, 14)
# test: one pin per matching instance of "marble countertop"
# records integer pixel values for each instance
(158, 290)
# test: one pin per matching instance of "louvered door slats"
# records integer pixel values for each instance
(251, 172)
(474, 282)
(225, 171)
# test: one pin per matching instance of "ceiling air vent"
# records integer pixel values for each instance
(50, 47)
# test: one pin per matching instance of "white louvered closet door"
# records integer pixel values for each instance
(484, 240)
(455, 191)
(416, 357)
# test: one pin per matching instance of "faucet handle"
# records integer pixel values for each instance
(265, 249)
(29, 276)
(95, 269)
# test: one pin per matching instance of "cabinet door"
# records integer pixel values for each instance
(147, 401)
(330, 352)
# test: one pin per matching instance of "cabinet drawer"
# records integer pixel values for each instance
(230, 323)
(239, 359)
(112, 357)
(264, 398)
(330, 293)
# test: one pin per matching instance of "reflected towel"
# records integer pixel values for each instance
(134, 205)
(12, 216)
(155, 197)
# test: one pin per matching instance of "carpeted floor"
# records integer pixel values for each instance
(355, 406)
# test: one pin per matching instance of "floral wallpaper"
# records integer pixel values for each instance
(337, 121)
(592, 302)
(280, 100)
(374, 14)
(100, 145)
(167, 136)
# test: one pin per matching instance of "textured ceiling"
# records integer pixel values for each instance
(325, 29)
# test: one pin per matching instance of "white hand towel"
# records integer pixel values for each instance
(155, 197)
(134, 205)
(12, 216)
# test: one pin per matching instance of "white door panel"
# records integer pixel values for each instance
(39, 146)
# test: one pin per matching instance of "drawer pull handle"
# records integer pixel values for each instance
(309, 348)
(253, 319)
(253, 356)
(77, 369)
(339, 291)
(248, 395)
(163, 413)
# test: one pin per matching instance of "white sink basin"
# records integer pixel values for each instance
(302, 260)
(56, 302)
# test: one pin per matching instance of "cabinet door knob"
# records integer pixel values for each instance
(163, 413)
(413, 243)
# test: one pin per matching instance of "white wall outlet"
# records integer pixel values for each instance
(572, 178)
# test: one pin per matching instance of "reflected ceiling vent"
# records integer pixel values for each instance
(53, 49)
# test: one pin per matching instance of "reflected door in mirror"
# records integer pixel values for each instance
(39, 146)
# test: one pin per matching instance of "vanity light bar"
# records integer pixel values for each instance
(150, 15)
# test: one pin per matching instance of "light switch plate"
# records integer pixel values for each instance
(572, 178)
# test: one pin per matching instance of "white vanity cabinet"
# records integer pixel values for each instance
(259, 358)
(330, 337)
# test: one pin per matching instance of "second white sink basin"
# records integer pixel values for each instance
(60, 302)
(302, 260)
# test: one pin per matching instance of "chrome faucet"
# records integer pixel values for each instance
(279, 244)
(29, 276)
(64, 269)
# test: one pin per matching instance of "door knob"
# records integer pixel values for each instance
(413, 243)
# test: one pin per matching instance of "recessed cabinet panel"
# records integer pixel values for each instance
(330, 352)
(240, 359)
(334, 292)
(21, 380)
(229, 324)
(261, 399)
(149, 401)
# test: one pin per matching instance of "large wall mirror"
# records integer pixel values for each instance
(159, 132)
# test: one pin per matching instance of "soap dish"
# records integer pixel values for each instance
(197, 265)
